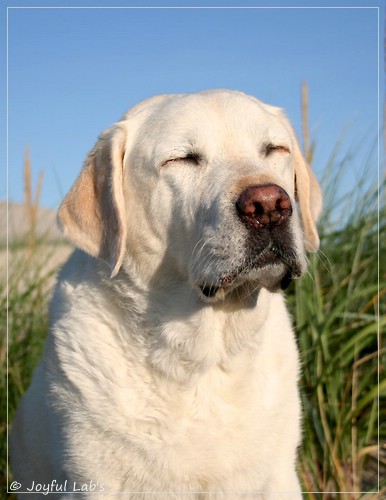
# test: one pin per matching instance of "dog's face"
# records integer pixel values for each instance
(200, 186)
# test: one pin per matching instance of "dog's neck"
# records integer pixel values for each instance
(184, 336)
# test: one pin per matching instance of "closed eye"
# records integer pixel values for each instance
(270, 149)
(192, 158)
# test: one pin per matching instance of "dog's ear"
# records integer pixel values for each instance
(92, 215)
(309, 196)
(308, 193)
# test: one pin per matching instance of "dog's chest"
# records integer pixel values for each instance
(222, 422)
(208, 430)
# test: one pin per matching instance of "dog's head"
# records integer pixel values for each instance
(198, 187)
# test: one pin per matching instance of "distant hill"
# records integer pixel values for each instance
(27, 263)
(19, 223)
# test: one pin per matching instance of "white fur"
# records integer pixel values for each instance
(146, 386)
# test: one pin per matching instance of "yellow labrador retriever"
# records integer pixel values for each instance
(170, 370)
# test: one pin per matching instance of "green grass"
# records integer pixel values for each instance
(27, 306)
(338, 312)
(335, 309)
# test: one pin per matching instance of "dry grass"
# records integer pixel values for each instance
(27, 274)
(31, 202)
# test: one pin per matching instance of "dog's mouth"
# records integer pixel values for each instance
(272, 268)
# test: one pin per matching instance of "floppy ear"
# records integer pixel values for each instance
(309, 196)
(92, 215)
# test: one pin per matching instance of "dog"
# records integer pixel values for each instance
(171, 367)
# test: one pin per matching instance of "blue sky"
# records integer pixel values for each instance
(72, 72)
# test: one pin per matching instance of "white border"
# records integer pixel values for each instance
(378, 198)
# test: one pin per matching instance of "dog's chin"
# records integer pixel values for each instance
(273, 276)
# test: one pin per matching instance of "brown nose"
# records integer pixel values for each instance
(265, 205)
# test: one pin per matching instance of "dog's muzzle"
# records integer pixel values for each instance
(265, 211)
